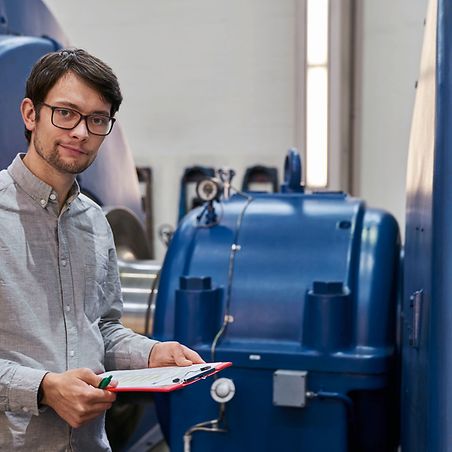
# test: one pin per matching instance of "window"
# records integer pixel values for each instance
(323, 78)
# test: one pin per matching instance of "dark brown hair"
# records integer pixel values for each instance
(52, 66)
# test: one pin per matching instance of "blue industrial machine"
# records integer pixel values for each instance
(298, 290)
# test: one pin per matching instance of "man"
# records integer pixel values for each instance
(60, 299)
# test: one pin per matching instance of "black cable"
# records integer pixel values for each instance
(234, 248)
(214, 425)
(151, 298)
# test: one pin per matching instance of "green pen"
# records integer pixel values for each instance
(105, 382)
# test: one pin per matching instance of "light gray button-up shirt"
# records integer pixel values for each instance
(60, 305)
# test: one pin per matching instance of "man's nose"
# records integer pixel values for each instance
(80, 131)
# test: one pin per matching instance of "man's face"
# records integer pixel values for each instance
(69, 151)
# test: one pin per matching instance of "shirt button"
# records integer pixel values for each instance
(68, 308)
(71, 353)
(43, 202)
(25, 409)
(63, 262)
(53, 196)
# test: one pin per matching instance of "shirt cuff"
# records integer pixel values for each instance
(23, 389)
(135, 354)
(139, 356)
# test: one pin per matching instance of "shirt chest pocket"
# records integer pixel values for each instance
(95, 287)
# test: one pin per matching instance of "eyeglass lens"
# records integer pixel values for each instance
(66, 118)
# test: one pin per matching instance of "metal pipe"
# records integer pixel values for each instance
(139, 288)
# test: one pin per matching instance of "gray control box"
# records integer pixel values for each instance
(289, 388)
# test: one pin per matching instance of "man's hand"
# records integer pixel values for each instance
(74, 395)
(173, 353)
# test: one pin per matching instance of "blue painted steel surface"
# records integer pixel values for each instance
(313, 288)
(17, 55)
(292, 173)
(427, 362)
(30, 18)
(27, 31)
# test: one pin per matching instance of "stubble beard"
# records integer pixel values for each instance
(52, 157)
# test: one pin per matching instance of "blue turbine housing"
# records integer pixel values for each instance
(299, 291)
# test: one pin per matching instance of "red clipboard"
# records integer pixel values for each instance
(162, 379)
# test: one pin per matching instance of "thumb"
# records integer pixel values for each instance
(89, 377)
(180, 358)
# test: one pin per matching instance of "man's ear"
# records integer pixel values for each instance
(27, 109)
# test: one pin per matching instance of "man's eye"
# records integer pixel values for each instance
(64, 114)
(98, 120)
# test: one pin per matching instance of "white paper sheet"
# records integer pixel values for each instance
(160, 376)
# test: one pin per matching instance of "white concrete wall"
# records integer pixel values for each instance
(213, 82)
(205, 81)
(392, 41)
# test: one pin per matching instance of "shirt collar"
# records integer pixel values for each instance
(41, 192)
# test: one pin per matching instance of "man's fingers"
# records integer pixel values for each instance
(184, 356)
(173, 353)
(105, 396)
(100, 407)
(192, 355)
(87, 375)
(179, 356)
(113, 383)
(75, 395)
(181, 361)
(77, 421)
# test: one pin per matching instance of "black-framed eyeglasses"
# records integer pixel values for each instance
(68, 119)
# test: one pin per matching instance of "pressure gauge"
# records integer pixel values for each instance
(209, 189)
(222, 390)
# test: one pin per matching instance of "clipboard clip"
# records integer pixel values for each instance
(202, 372)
